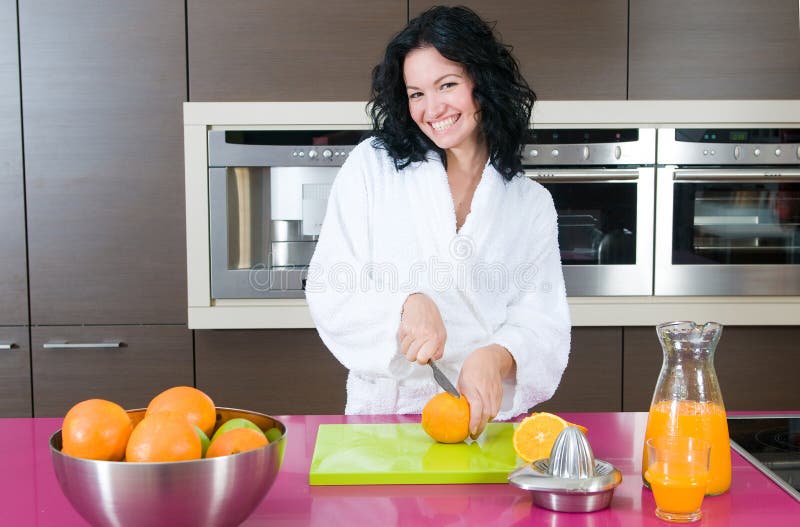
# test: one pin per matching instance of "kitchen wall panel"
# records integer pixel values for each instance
(567, 50)
(15, 372)
(715, 49)
(287, 371)
(102, 88)
(288, 51)
(756, 367)
(13, 266)
(592, 381)
(149, 360)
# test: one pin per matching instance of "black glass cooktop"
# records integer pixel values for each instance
(772, 444)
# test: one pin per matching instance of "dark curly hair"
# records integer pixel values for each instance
(502, 94)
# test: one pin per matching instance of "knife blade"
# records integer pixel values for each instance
(442, 380)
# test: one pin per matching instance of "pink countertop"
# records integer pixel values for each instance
(30, 495)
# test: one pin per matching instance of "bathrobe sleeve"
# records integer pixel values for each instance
(356, 318)
(537, 328)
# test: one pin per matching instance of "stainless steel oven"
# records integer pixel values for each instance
(603, 183)
(268, 192)
(728, 216)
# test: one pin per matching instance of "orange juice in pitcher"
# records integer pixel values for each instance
(687, 401)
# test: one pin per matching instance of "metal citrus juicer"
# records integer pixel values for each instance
(571, 480)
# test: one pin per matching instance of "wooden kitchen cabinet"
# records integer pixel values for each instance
(567, 50)
(103, 87)
(288, 51)
(756, 367)
(715, 49)
(148, 360)
(13, 266)
(592, 381)
(281, 371)
(15, 372)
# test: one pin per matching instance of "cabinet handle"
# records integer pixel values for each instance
(7, 345)
(71, 345)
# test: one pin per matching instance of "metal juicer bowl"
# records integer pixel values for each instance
(571, 480)
(216, 491)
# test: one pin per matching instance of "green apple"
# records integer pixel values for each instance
(204, 441)
(273, 434)
(236, 422)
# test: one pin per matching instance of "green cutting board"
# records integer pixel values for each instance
(385, 454)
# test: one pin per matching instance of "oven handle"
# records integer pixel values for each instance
(778, 174)
(582, 175)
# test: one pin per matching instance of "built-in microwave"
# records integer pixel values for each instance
(268, 193)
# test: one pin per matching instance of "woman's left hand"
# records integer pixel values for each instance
(481, 382)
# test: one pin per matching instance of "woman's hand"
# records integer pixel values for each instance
(481, 382)
(421, 334)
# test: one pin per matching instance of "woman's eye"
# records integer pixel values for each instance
(447, 85)
(415, 95)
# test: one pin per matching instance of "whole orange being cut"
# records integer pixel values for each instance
(164, 436)
(535, 435)
(236, 440)
(446, 418)
(198, 407)
(96, 429)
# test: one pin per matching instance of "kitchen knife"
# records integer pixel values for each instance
(442, 380)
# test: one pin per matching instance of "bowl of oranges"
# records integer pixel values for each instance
(180, 461)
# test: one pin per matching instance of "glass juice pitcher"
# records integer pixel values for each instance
(687, 399)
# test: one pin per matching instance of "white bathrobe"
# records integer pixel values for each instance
(498, 280)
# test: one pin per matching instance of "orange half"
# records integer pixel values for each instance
(535, 435)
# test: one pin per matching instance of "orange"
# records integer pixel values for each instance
(236, 440)
(534, 436)
(198, 407)
(164, 436)
(446, 418)
(96, 429)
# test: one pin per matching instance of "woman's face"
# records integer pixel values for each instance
(440, 99)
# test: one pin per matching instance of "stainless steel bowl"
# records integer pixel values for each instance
(218, 491)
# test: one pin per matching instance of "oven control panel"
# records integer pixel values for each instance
(696, 146)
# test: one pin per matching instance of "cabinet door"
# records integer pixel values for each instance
(756, 367)
(286, 371)
(149, 359)
(15, 372)
(103, 87)
(593, 379)
(288, 51)
(13, 268)
(569, 49)
(714, 49)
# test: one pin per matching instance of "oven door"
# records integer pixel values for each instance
(605, 228)
(728, 232)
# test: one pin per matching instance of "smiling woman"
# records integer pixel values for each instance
(438, 196)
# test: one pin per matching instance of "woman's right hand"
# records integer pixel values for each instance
(421, 334)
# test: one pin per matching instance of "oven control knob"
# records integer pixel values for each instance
(757, 152)
(301, 153)
(535, 153)
(778, 152)
(617, 151)
(586, 152)
(737, 151)
(327, 153)
(312, 154)
(555, 152)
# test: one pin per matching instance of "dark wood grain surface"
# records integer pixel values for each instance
(568, 50)
(15, 373)
(13, 268)
(715, 49)
(103, 89)
(151, 359)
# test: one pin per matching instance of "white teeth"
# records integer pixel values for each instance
(444, 125)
